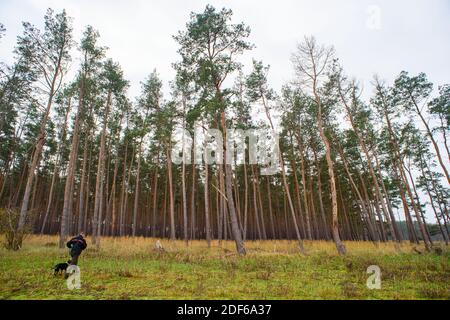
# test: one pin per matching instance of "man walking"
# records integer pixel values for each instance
(76, 245)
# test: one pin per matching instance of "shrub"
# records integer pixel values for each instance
(9, 220)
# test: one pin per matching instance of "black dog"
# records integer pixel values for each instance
(60, 268)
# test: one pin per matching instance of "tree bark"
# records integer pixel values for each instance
(99, 179)
(67, 206)
(285, 184)
(171, 195)
(402, 172)
(335, 223)
(39, 144)
(430, 135)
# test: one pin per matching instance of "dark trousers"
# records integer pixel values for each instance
(74, 260)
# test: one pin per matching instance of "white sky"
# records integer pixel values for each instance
(370, 36)
(412, 35)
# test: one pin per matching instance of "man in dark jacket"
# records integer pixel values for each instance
(76, 245)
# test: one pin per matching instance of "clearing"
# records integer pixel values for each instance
(132, 268)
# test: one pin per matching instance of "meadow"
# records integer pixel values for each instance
(132, 268)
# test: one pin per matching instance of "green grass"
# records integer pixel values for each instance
(130, 268)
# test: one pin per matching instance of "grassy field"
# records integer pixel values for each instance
(130, 268)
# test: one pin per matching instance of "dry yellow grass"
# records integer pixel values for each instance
(123, 246)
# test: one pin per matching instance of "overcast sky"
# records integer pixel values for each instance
(369, 36)
(383, 37)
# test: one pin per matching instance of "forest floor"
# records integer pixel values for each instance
(131, 268)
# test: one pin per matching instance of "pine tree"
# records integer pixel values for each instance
(49, 51)
(208, 49)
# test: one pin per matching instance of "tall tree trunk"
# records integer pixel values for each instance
(269, 197)
(68, 189)
(99, 178)
(220, 202)
(255, 204)
(408, 170)
(299, 204)
(111, 207)
(427, 187)
(285, 184)
(81, 207)
(39, 145)
(136, 192)
(444, 135)
(183, 185)
(365, 211)
(193, 205)
(402, 172)
(50, 195)
(319, 185)
(440, 200)
(335, 223)
(388, 202)
(409, 222)
(303, 174)
(123, 190)
(245, 201)
(171, 195)
(207, 222)
(155, 195)
(229, 192)
(430, 135)
(56, 168)
(263, 224)
(87, 193)
(363, 146)
(312, 211)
